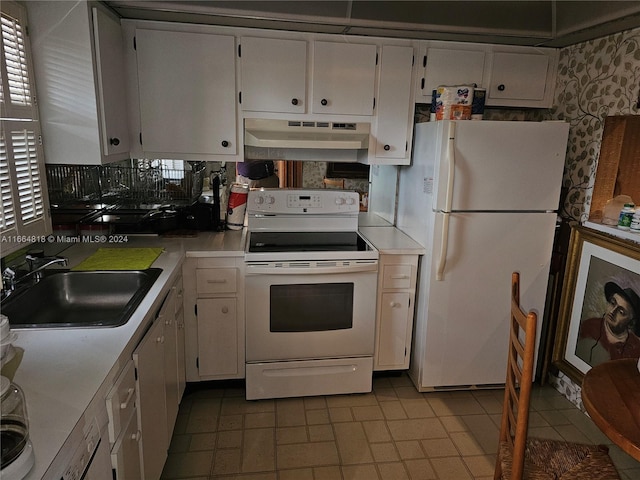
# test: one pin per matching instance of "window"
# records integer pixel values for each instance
(24, 208)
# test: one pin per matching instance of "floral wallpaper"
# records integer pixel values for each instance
(595, 79)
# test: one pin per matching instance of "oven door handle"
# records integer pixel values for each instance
(269, 270)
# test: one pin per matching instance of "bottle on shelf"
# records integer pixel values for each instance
(626, 214)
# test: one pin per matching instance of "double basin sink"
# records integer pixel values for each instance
(79, 299)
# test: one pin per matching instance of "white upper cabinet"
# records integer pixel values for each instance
(514, 76)
(343, 78)
(80, 72)
(451, 67)
(273, 75)
(112, 101)
(187, 94)
(395, 108)
(518, 76)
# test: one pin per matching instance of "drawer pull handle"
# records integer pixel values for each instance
(125, 404)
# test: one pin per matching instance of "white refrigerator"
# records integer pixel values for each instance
(481, 197)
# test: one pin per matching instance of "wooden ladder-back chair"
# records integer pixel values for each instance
(333, 183)
(519, 457)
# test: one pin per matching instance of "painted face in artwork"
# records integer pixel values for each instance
(619, 314)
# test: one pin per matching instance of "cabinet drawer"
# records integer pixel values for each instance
(216, 280)
(396, 276)
(121, 401)
(125, 455)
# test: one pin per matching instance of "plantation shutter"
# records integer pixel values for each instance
(7, 213)
(24, 204)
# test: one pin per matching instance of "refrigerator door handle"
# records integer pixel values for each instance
(451, 165)
(444, 241)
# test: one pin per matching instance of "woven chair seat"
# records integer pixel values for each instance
(557, 460)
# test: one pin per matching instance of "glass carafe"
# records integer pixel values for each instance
(14, 425)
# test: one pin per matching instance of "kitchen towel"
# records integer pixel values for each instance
(120, 259)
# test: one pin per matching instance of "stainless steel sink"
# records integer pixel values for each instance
(68, 299)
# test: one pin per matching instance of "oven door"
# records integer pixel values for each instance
(310, 309)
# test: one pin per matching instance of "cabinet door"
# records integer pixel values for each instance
(167, 315)
(125, 455)
(452, 67)
(343, 78)
(152, 411)
(274, 75)
(518, 76)
(180, 338)
(187, 92)
(394, 95)
(109, 52)
(395, 321)
(217, 336)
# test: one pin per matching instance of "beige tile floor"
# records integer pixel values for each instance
(393, 433)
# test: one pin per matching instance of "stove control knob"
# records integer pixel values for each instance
(339, 201)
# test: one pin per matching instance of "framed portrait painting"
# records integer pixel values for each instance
(600, 308)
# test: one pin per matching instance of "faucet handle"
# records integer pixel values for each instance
(8, 279)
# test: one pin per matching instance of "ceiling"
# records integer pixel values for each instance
(555, 23)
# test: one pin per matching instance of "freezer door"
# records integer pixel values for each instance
(464, 317)
(500, 166)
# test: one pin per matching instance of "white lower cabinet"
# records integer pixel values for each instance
(180, 334)
(394, 321)
(159, 384)
(214, 318)
(152, 409)
(172, 394)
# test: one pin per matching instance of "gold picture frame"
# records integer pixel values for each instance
(598, 266)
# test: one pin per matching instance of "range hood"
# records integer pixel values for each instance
(305, 140)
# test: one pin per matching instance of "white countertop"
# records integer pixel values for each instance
(62, 370)
(391, 241)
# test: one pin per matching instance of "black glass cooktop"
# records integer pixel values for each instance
(306, 242)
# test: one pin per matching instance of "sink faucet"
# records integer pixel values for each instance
(36, 266)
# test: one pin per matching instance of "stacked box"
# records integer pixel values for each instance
(453, 102)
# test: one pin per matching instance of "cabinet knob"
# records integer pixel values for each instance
(387, 147)
(225, 309)
(225, 143)
(114, 141)
(294, 101)
(324, 102)
(501, 87)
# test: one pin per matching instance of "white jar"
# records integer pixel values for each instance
(626, 214)
(634, 227)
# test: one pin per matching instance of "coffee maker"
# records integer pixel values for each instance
(204, 213)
